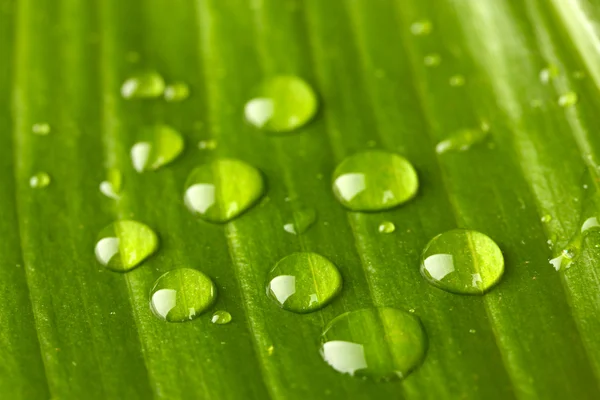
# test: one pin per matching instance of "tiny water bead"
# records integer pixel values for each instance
(159, 146)
(387, 227)
(223, 189)
(303, 282)
(462, 140)
(382, 344)
(457, 80)
(112, 186)
(302, 220)
(41, 129)
(39, 180)
(282, 104)
(123, 245)
(374, 180)
(210, 144)
(548, 73)
(421, 28)
(462, 261)
(432, 60)
(182, 295)
(177, 91)
(568, 99)
(221, 317)
(145, 85)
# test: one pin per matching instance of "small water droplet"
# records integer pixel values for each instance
(282, 104)
(39, 180)
(223, 189)
(221, 317)
(462, 261)
(461, 140)
(302, 220)
(457, 80)
(548, 73)
(210, 144)
(182, 294)
(145, 85)
(303, 282)
(123, 245)
(547, 218)
(177, 91)
(374, 180)
(387, 227)
(421, 28)
(41, 129)
(113, 185)
(432, 60)
(568, 99)
(578, 74)
(382, 344)
(159, 145)
(472, 331)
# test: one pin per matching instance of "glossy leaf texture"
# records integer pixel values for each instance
(72, 329)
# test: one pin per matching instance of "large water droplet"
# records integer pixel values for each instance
(374, 180)
(377, 343)
(123, 245)
(182, 295)
(160, 145)
(223, 189)
(177, 91)
(282, 104)
(303, 282)
(302, 220)
(462, 261)
(461, 140)
(145, 85)
(221, 317)
(39, 180)
(41, 129)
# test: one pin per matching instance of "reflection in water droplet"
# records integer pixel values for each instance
(159, 146)
(143, 86)
(432, 60)
(282, 104)
(302, 220)
(223, 189)
(457, 80)
(462, 261)
(112, 187)
(123, 245)
(39, 180)
(548, 73)
(382, 344)
(421, 28)
(387, 227)
(182, 295)
(568, 99)
(303, 282)
(41, 129)
(462, 140)
(374, 180)
(221, 318)
(177, 91)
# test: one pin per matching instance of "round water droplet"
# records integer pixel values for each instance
(123, 245)
(421, 28)
(457, 80)
(382, 344)
(223, 189)
(462, 261)
(303, 282)
(302, 220)
(221, 318)
(39, 180)
(568, 99)
(41, 129)
(432, 60)
(159, 146)
(387, 227)
(374, 180)
(177, 91)
(145, 85)
(182, 294)
(282, 104)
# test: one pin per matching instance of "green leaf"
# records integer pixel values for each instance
(72, 329)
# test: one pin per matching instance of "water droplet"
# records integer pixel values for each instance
(182, 294)
(223, 189)
(547, 218)
(39, 180)
(112, 186)
(462, 261)
(472, 331)
(548, 73)
(301, 221)
(432, 60)
(382, 344)
(177, 91)
(41, 129)
(374, 180)
(421, 28)
(159, 146)
(387, 227)
(210, 144)
(578, 74)
(461, 140)
(282, 104)
(568, 99)
(221, 317)
(145, 85)
(303, 282)
(123, 245)
(457, 80)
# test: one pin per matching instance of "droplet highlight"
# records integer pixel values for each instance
(39, 180)
(221, 317)
(382, 344)
(160, 145)
(123, 245)
(303, 282)
(462, 261)
(145, 85)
